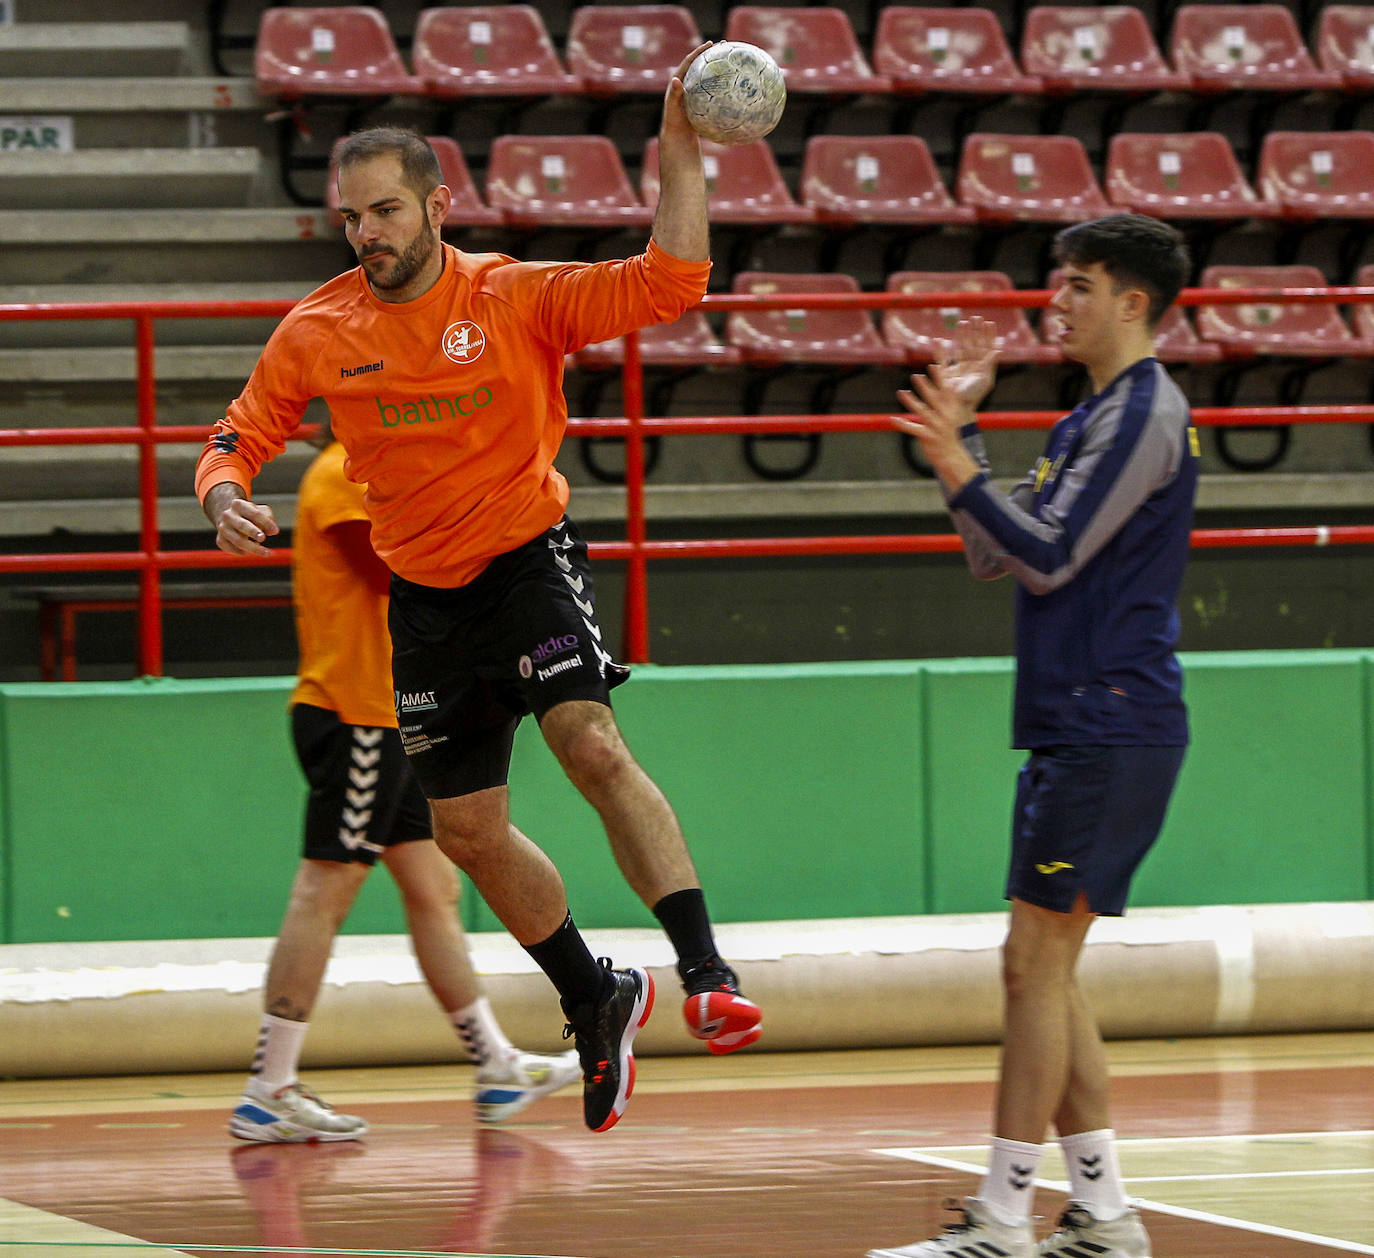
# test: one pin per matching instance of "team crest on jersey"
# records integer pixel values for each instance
(464, 342)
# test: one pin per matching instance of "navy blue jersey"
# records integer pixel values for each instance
(1097, 539)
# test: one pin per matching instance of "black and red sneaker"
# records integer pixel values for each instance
(714, 1009)
(605, 1034)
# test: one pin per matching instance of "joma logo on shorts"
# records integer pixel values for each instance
(432, 409)
(415, 701)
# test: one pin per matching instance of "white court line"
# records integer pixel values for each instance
(1197, 1179)
(1248, 1138)
(1160, 1207)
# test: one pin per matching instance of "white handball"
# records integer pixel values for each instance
(733, 93)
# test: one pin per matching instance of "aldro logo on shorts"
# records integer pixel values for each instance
(432, 409)
(536, 663)
(415, 701)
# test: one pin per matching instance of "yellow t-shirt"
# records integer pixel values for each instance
(345, 650)
(451, 406)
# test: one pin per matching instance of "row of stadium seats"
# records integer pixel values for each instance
(765, 338)
(580, 181)
(505, 50)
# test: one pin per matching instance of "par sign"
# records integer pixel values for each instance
(35, 135)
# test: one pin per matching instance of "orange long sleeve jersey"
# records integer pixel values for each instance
(345, 651)
(451, 406)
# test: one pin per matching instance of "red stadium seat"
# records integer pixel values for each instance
(630, 48)
(1280, 329)
(876, 179)
(1190, 175)
(921, 334)
(466, 209)
(1318, 175)
(562, 181)
(488, 50)
(1097, 48)
(1362, 312)
(816, 49)
(344, 51)
(1026, 178)
(1225, 47)
(1177, 341)
(1345, 44)
(946, 50)
(686, 342)
(770, 337)
(743, 184)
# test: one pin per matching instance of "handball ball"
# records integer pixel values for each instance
(733, 93)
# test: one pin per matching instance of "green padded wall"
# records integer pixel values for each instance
(798, 787)
(155, 809)
(1272, 803)
(171, 809)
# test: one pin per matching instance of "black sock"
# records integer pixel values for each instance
(571, 968)
(683, 916)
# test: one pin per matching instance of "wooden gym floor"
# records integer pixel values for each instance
(1262, 1147)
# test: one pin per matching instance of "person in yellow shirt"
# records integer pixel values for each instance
(364, 805)
(443, 373)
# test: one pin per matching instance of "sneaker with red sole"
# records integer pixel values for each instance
(605, 1035)
(715, 1011)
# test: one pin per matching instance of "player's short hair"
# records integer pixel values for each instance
(419, 165)
(1135, 250)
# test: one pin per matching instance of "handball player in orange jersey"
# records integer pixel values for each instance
(364, 806)
(443, 375)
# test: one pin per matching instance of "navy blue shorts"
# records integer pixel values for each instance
(363, 797)
(1084, 819)
(468, 663)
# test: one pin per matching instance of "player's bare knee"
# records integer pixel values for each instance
(598, 762)
(466, 837)
(435, 897)
(327, 888)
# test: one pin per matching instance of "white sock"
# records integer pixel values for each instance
(1009, 1186)
(278, 1052)
(480, 1032)
(1094, 1173)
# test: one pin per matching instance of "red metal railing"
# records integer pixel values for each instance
(150, 561)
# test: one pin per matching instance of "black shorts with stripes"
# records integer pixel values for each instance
(363, 797)
(469, 663)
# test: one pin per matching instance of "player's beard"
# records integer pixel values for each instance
(408, 263)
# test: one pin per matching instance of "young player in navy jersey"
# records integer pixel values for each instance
(1096, 537)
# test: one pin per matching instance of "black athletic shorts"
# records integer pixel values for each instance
(470, 662)
(1085, 817)
(363, 797)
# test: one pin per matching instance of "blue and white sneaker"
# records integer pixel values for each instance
(289, 1115)
(506, 1087)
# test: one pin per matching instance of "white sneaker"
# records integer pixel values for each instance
(289, 1115)
(504, 1088)
(978, 1234)
(1079, 1233)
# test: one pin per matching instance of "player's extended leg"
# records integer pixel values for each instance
(651, 852)
(508, 1080)
(274, 1106)
(1038, 962)
(1099, 1217)
(605, 1007)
